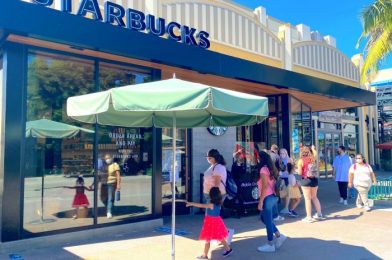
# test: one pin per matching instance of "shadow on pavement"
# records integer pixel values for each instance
(296, 248)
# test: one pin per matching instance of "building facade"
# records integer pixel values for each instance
(87, 46)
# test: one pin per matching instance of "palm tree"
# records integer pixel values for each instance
(377, 29)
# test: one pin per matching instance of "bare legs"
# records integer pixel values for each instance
(294, 203)
(315, 200)
(310, 194)
(208, 244)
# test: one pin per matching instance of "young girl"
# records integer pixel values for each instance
(213, 226)
(80, 199)
(294, 192)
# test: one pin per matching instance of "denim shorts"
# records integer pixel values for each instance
(309, 182)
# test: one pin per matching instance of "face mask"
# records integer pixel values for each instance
(108, 161)
(358, 160)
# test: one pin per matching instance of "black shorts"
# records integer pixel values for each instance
(309, 182)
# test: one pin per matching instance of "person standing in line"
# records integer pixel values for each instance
(294, 194)
(341, 166)
(215, 176)
(213, 226)
(284, 174)
(361, 177)
(307, 169)
(268, 203)
(274, 154)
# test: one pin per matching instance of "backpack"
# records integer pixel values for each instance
(230, 185)
(312, 170)
(280, 188)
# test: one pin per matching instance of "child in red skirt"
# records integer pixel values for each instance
(213, 226)
(80, 199)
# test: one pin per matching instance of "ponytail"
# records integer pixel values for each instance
(221, 160)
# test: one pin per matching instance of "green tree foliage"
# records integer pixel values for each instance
(377, 29)
(51, 82)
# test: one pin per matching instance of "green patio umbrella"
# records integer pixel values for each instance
(169, 103)
(44, 128)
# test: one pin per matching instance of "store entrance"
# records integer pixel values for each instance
(328, 143)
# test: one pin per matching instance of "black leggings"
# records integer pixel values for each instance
(343, 189)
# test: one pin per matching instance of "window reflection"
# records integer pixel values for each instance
(55, 197)
(181, 171)
(130, 148)
(55, 158)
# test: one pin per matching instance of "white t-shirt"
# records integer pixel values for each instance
(362, 174)
(292, 180)
(208, 181)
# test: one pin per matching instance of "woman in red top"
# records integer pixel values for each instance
(268, 202)
(309, 183)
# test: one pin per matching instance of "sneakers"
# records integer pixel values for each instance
(279, 218)
(109, 215)
(341, 200)
(202, 257)
(367, 208)
(280, 240)
(267, 248)
(293, 214)
(359, 206)
(307, 220)
(230, 235)
(227, 253)
(74, 216)
(285, 211)
(345, 202)
(319, 216)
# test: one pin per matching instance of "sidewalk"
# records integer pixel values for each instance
(348, 233)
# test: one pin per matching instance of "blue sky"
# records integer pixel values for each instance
(338, 18)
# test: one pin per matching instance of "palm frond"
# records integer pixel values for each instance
(376, 52)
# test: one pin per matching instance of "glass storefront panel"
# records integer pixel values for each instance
(307, 125)
(130, 148)
(273, 130)
(2, 118)
(296, 127)
(350, 137)
(54, 196)
(181, 171)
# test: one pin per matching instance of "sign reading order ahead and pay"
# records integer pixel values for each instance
(135, 20)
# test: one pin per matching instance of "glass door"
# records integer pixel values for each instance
(321, 151)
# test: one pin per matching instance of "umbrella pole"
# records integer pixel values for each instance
(174, 186)
(42, 196)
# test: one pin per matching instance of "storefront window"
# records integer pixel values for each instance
(181, 171)
(130, 148)
(59, 167)
(306, 125)
(2, 110)
(296, 127)
(350, 113)
(350, 137)
(54, 159)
